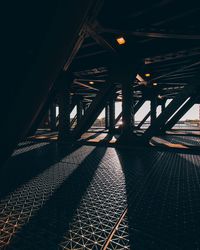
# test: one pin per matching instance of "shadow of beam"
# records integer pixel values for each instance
(46, 228)
(23, 167)
(147, 177)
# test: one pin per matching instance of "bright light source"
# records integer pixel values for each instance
(147, 74)
(121, 40)
(155, 84)
(91, 82)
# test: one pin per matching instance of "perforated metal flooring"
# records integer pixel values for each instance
(186, 140)
(99, 198)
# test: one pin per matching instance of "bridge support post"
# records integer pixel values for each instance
(163, 105)
(112, 115)
(128, 137)
(64, 133)
(153, 109)
(79, 110)
(52, 116)
(107, 116)
(127, 108)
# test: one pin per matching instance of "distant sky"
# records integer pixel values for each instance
(193, 113)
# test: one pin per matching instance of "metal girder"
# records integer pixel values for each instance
(73, 104)
(137, 106)
(40, 117)
(64, 134)
(93, 110)
(143, 120)
(89, 55)
(197, 63)
(52, 116)
(173, 56)
(154, 7)
(128, 111)
(84, 85)
(112, 113)
(100, 40)
(79, 110)
(107, 120)
(177, 16)
(51, 98)
(163, 102)
(183, 74)
(62, 42)
(97, 79)
(118, 118)
(122, 70)
(153, 34)
(86, 45)
(94, 72)
(179, 114)
(73, 121)
(85, 64)
(153, 109)
(174, 105)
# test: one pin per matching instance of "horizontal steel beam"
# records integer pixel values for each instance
(156, 34)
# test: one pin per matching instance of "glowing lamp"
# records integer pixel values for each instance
(121, 40)
(147, 74)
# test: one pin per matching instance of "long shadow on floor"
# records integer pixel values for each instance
(144, 172)
(22, 167)
(45, 230)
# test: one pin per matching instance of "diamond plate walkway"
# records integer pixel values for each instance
(99, 198)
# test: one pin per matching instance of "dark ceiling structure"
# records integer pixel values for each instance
(62, 45)
(66, 183)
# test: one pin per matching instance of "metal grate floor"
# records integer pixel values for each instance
(99, 198)
(185, 140)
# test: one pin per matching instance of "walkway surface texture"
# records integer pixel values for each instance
(99, 198)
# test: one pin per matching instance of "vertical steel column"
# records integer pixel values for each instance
(163, 105)
(84, 107)
(52, 116)
(153, 109)
(107, 116)
(79, 110)
(64, 133)
(126, 76)
(127, 107)
(112, 115)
